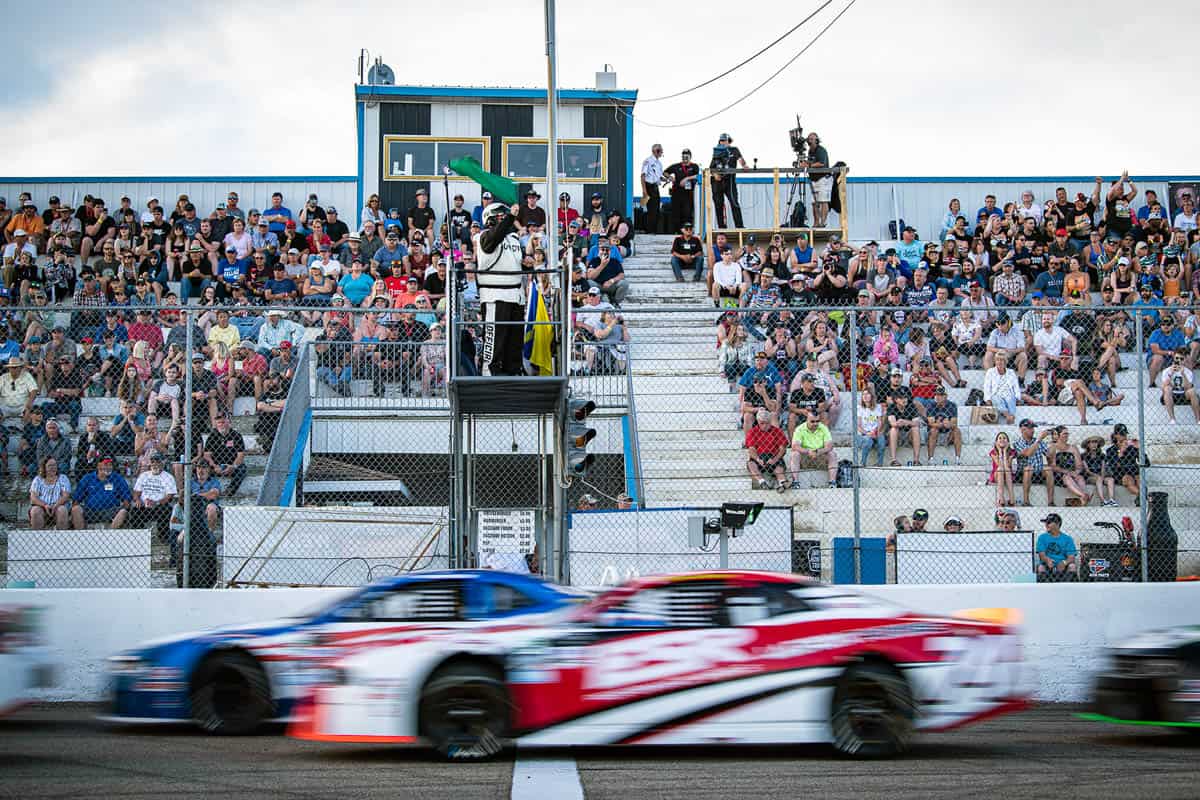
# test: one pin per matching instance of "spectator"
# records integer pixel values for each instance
(278, 215)
(920, 517)
(683, 175)
(1003, 458)
(1162, 347)
(609, 275)
(225, 452)
(941, 416)
(687, 252)
(125, 427)
(1122, 460)
(766, 446)
(154, 493)
(357, 285)
(760, 387)
(276, 331)
(197, 273)
(736, 354)
(1094, 471)
(1056, 553)
(204, 394)
(1066, 465)
(806, 399)
(1001, 389)
(726, 279)
(54, 445)
(101, 495)
(93, 445)
(812, 448)
(1007, 340)
(206, 495)
(169, 391)
(903, 419)
(1052, 341)
(952, 525)
(1031, 460)
(1178, 386)
(968, 335)
(49, 497)
(18, 388)
(871, 429)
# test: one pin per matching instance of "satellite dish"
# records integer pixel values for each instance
(381, 74)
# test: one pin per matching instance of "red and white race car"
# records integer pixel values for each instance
(716, 657)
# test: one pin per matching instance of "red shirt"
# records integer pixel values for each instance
(766, 441)
(315, 246)
(149, 333)
(566, 216)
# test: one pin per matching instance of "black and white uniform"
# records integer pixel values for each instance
(502, 297)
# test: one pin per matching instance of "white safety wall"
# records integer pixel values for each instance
(1065, 627)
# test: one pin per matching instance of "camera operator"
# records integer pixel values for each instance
(726, 156)
(822, 181)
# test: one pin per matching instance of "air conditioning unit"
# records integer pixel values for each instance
(606, 81)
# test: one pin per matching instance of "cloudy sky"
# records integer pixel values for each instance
(923, 87)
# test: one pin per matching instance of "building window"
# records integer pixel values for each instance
(579, 160)
(422, 158)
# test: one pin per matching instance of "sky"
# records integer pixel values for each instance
(929, 87)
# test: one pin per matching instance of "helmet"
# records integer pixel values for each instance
(493, 214)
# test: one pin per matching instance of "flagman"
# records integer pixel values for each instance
(501, 293)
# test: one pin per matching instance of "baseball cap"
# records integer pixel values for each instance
(285, 344)
(1052, 517)
(486, 195)
(1036, 294)
(940, 390)
(422, 192)
(19, 232)
(330, 210)
(861, 292)
(807, 376)
(231, 249)
(325, 248)
(1061, 232)
(896, 371)
(920, 513)
(1027, 423)
(291, 223)
(761, 354)
(262, 223)
(197, 356)
(354, 237)
(1080, 197)
(293, 251)
(952, 521)
(564, 196)
(597, 196)
(1121, 428)
(1122, 261)
(594, 290)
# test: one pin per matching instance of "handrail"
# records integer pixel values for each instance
(288, 434)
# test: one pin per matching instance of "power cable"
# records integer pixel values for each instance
(794, 28)
(748, 94)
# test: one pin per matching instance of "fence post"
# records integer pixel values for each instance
(189, 343)
(854, 470)
(1141, 430)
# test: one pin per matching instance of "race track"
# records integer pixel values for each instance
(60, 751)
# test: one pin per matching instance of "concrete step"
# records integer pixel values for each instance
(678, 385)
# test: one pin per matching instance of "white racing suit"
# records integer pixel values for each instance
(502, 297)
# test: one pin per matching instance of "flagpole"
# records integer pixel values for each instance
(555, 559)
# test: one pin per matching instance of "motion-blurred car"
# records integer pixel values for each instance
(718, 657)
(24, 659)
(1152, 679)
(231, 680)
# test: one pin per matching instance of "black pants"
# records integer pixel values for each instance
(158, 517)
(653, 205)
(726, 188)
(682, 208)
(503, 345)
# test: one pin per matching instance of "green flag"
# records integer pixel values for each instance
(502, 188)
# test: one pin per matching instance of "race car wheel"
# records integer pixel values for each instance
(872, 714)
(464, 712)
(230, 694)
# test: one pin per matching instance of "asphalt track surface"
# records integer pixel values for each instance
(60, 751)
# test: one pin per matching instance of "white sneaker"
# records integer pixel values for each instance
(1172, 422)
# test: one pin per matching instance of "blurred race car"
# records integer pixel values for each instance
(230, 680)
(716, 657)
(24, 659)
(1152, 679)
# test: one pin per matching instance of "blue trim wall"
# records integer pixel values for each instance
(496, 92)
(631, 166)
(297, 462)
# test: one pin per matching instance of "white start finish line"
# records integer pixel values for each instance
(545, 777)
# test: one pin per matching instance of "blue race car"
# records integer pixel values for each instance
(231, 680)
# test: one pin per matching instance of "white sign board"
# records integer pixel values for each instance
(506, 530)
(969, 557)
(610, 547)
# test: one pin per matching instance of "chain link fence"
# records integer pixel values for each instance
(330, 428)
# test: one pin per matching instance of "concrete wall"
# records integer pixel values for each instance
(1065, 626)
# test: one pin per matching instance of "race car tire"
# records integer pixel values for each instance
(872, 712)
(230, 694)
(464, 711)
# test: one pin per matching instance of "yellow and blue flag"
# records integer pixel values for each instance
(538, 338)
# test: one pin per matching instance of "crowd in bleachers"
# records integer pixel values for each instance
(1021, 304)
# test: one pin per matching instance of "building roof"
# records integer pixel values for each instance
(620, 96)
